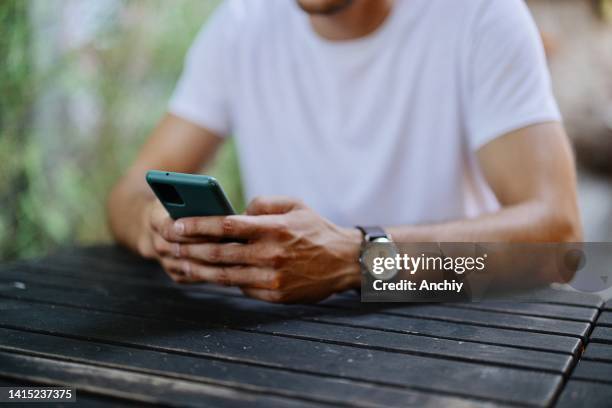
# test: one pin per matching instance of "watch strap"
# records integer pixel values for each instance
(371, 233)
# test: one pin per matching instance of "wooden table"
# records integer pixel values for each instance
(116, 328)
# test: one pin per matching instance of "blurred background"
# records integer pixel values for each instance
(82, 83)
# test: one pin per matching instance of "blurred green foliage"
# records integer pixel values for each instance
(74, 113)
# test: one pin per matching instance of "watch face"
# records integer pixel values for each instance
(374, 255)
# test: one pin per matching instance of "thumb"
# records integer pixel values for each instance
(272, 205)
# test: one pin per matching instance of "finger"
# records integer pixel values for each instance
(189, 271)
(165, 227)
(244, 276)
(285, 296)
(178, 277)
(165, 248)
(227, 254)
(267, 295)
(175, 269)
(272, 205)
(185, 271)
(160, 219)
(233, 226)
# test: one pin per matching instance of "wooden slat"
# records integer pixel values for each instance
(593, 371)
(598, 351)
(114, 253)
(450, 330)
(605, 319)
(460, 331)
(518, 306)
(135, 386)
(114, 260)
(579, 393)
(608, 305)
(375, 339)
(554, 311)
(84, 399)
(233, 374)
(491, 319)
(602, 334)
(563, 297)
(590, 383)
(13, 383)
(440, 348)
(546, 295)
(340, 361)
(536, 324)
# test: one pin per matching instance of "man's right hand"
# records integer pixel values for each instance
(158, 239)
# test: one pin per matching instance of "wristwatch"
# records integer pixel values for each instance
(376, 243)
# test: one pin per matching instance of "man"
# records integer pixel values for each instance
(431, 119)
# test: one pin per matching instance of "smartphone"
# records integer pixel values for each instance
(189, 195)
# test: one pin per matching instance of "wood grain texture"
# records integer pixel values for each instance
(365, 316)
(598, 351)
(555, 311)
(602, 334)
(126, 384)
(367, 338)
(423, 373)
(578, 393)
(119, 329)
(597, 371)
(605, 319)
(590, 382)
(233, 374)
(492, 319)
(85, 399)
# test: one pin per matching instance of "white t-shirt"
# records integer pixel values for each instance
(381, 130)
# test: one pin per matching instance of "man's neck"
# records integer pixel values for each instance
(360, 19)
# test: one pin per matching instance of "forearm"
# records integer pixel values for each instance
(125, 208)
(513, 265)
(525, 222)
(528, 222)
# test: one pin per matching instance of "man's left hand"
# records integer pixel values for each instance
(288, 253)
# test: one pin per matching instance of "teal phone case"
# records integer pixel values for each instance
(198, 195)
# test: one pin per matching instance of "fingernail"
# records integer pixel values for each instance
(179, 227)
(177, 250)
(186, 268)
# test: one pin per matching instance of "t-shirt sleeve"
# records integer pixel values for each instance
(201, 95)
(509, 84)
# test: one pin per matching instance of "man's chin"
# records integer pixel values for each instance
(324, 7)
